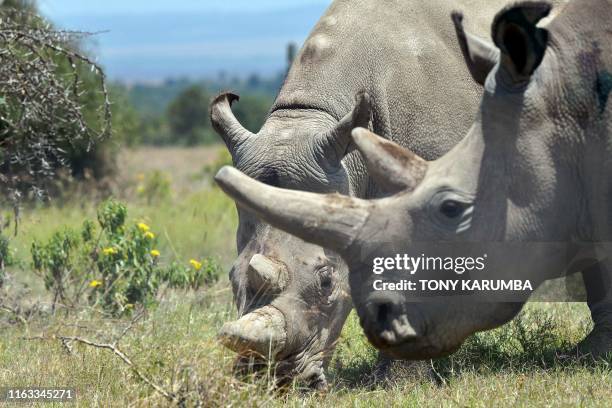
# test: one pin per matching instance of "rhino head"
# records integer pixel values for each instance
(518, 176)
(292, 296)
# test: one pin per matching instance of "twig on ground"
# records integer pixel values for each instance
(114, 348)
(15, 313)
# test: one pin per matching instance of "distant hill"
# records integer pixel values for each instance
(154, 46)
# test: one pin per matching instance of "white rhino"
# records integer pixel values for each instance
(402, 60)
(532, 175)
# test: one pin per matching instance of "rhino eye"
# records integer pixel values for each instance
(452, 208)
(326, 280)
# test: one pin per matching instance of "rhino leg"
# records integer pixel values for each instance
(598, 284)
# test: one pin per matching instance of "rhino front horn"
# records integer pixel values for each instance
(260, 332)
(267, 275)
(225, 123)
(332, 221)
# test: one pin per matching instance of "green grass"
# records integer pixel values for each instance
(174, 344)
(191, 226)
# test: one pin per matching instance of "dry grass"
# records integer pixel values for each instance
(182, 164)
(174, 345)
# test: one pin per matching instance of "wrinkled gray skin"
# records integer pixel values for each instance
(534, 167)
(402, 60)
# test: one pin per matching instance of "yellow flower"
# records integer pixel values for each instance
(140, 189)
(196, 265)
(143, 227)
(110, 251)
(140, 177)
(155, 253)
(149, 235)
(95, 283)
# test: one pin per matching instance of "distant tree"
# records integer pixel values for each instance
(291, 53)
(252, 110)
(188, 115)
(254, 81)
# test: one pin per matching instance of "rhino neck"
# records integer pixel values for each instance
(583, 51)
(405, 55)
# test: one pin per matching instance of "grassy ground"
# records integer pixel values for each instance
(174, 344)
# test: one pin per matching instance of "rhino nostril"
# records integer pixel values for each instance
(384, 312)
(388, 323)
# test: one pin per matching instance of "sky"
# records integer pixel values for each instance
(144, 41)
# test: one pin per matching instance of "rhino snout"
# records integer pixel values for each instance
(386, 324)
(262, 332)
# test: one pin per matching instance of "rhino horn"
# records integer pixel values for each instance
(267, 275)
(225, 123)
(262, 331)
(335, 142)
(393, 167)
(480, 56)
(332, 220)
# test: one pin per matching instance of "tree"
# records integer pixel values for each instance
(188, 115)
(54, 103)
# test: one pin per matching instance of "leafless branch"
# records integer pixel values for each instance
(117, 352)
(45, 102)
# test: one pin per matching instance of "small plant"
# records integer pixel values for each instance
(155, 186)
(55, 261)
(199, 274)
(116, 263)
(6, 258)
(6, 255)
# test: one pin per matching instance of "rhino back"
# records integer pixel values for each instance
(405, 54)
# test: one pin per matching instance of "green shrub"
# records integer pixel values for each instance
(6, 256)
(114, 263)
(55, 262)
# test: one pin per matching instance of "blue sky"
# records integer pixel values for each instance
(153, 40)
(62, 8)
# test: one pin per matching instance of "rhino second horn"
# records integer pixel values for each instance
(336, 141)
(267, 275)
(261, 332)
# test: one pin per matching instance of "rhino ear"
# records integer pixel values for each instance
(521, 42)
(479, 55)
(393, 167)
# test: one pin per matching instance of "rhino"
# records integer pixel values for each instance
(532, 174)
(402, 61)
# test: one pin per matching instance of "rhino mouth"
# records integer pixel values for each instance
(305, 366)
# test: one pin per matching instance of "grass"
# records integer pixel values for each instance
(174, 344)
